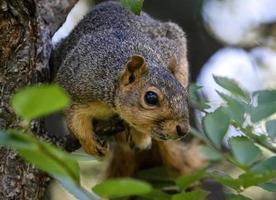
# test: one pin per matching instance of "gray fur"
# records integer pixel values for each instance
(92, 58)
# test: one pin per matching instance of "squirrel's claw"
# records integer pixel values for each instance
(102, 147)
(102, 151)
(96, 147)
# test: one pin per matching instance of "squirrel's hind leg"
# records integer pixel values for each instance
(79, 119)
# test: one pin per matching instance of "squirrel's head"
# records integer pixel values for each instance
(151, 100)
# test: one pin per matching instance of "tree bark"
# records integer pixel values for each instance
(26, 28)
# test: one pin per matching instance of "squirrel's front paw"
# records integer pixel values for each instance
(96, 147)
(102, 146)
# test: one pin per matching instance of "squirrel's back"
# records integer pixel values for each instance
(94, 54)
(107, 15)
(111, 15)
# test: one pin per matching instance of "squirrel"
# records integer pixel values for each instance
(117, 63)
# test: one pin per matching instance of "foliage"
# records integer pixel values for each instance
(216, 131)
(240, 110)
(34, 102)
(133, 5)
(243, 111)
(244, 152)
(45, 156)
(114, 188)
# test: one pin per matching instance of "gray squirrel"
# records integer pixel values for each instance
(118, 63)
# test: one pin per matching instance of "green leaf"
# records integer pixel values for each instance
(195, 195)
(228, 181)
(236, 108)
(43, 155)
(210, 153)
(270, 186)
(155, 174)
(133, 5)
(185, 181)
(160, 177)
(216, 125)
(122, 188)
(232, 86)
(236, 197)
(195, 100)
(37, 101)
(82, 157)
(271, 128)
(198, 134)
(245, 180)
(262, 111)
(266, 105)
(250, 179)
(265, 96)
(156, 195)
(244, 150)
(265, 166)
(76, 190)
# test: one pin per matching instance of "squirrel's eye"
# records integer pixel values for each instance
(151, 98)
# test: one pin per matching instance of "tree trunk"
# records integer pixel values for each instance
(26, 28)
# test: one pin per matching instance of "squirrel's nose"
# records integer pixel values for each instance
(181, 130)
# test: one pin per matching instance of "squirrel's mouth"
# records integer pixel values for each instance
(160, 135)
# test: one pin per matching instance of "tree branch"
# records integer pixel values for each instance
(54, 12)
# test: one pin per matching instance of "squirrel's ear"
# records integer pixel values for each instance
(173, 64)
(135, 68)
(179, 68)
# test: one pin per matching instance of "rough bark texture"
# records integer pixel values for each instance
(26, 27)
